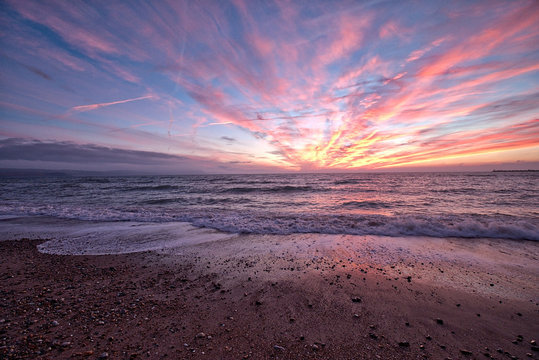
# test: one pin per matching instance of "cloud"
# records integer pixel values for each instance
(229, 139)
(83, 108)
(31, 153)
(38, 72)
(240, 162)
(35, 150)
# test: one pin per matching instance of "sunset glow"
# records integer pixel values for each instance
(251, 86)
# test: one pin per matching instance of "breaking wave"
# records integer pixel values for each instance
(253, 222)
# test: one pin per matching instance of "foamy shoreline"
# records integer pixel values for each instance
(511, 263)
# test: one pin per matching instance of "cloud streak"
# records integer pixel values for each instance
(84, 108)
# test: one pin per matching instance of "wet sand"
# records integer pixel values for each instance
(307, 296)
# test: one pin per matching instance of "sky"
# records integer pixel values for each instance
(269, 86)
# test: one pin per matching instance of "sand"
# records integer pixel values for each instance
(227, 296)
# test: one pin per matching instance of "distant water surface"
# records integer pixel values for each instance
(497, 205)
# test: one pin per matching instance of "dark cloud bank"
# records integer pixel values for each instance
(35, 150)
(16, 153)
(64, 155)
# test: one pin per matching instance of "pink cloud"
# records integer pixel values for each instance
(486, 41)
(84, 108)
(391, 29)
(417, 54)
(73, 33)
(346, 39)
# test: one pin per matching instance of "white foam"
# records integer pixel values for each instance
(73, 237)
(6, 217)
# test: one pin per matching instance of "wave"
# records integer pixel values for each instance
(348, 182)
(152, 188)
(275, 189)
(255, 182)
(213, 201)
(257, 222)
(96, 180)
(161, 201)
(457, 191)
(366, 205)
(405, 225)
(197, 201)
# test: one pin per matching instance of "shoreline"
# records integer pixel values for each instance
(271, 297)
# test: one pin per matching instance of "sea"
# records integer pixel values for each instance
(502, 205)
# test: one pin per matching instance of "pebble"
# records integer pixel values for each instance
(55, 323)
(465, 352)
(315, 347)
(404, 343)
(277, 347)
(439, 321)
(201, 335)
(104, 355)
(356, 299)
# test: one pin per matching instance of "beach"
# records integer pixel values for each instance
(217, 295)
(232, 179)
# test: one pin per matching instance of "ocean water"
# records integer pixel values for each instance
(469, 205)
